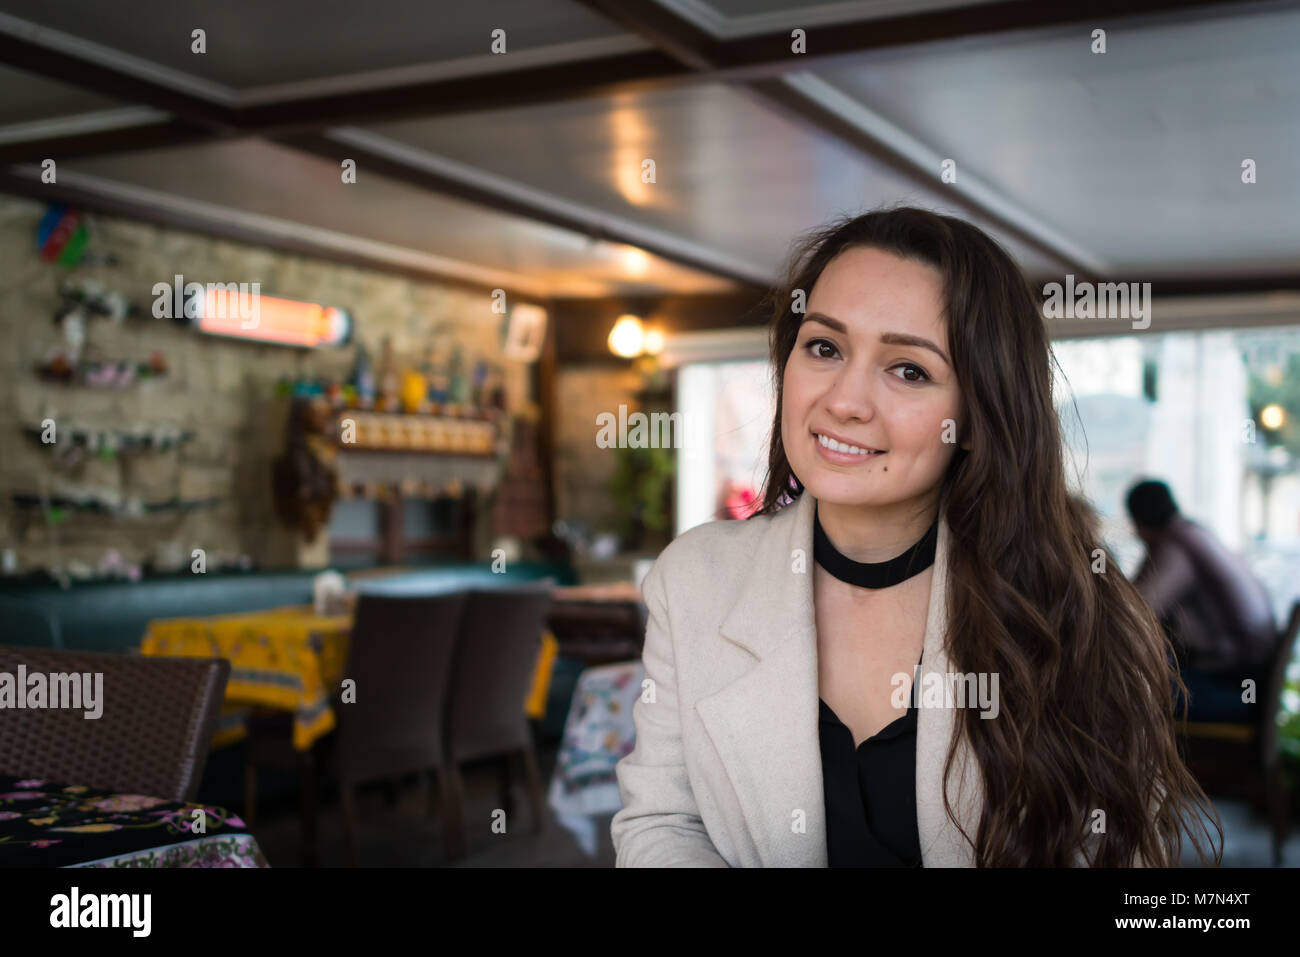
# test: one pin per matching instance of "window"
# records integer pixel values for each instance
(1188, 408)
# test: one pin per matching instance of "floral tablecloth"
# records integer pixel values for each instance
(598, 733)
(290, 659)
(49, 824)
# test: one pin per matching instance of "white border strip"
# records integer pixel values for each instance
(95, 122)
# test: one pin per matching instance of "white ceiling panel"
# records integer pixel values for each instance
(730, 172)
(1135, 153)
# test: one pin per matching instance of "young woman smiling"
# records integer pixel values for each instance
(916, 459)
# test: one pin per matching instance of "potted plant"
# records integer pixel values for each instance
(641, 489)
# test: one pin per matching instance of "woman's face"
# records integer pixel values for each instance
(870, 366)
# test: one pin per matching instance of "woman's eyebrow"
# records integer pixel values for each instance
(904, 339)
(888, 338)
(826, 320)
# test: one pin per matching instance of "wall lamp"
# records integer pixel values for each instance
(629, 338)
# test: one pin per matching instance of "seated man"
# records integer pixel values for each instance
(1217, 613)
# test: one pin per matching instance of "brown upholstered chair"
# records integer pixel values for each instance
(495, 659)
(152, 737)
(401, 657)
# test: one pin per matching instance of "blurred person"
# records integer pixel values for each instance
(915, 525)
(1216, 611)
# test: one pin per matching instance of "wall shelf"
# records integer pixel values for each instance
(124, 441)
(416, 433)
(29, 501)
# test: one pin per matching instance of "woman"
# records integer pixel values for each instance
(915, 651)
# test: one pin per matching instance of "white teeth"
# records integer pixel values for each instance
(840, 446)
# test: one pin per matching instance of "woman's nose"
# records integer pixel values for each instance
(852, 396)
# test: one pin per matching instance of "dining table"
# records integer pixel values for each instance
(290, 659)
(58, 824)
(287, 665)
(598, 733)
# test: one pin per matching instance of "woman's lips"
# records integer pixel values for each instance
(843, 458)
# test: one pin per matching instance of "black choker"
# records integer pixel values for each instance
(874, 574)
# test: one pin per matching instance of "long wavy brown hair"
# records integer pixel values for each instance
(1084, 665)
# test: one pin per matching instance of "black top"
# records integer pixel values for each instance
(870, 793)
(871, 790)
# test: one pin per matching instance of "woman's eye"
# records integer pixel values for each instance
(916, 373)
(815, 344)
(924, 376)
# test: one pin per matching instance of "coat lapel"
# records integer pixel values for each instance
(942, 844)
(764, 723)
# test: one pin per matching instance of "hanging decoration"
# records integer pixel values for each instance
(304, 477)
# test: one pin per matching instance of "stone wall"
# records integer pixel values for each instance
(582, 468)
(219, 388)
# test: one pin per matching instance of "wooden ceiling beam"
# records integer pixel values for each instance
(103, 80)
(684, 55)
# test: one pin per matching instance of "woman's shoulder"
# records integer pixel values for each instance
(711, 547)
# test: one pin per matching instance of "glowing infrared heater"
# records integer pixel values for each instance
(243, 314)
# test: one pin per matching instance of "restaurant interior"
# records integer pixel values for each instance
(317, 319)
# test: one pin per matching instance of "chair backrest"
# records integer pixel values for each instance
(495, 660)
(1272, 693)
(151, 736)
(400, 656)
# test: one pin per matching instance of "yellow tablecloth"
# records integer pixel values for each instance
(290, 659)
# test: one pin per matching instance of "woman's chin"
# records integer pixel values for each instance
(844, 490)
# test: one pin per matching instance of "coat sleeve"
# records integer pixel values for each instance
(659, 824)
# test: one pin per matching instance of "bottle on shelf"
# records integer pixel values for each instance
(390, 386)
(363, 379)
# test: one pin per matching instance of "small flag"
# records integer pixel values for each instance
(61, 236)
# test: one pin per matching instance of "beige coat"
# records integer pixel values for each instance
(727, 765)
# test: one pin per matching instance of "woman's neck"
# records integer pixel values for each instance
(867, 533)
